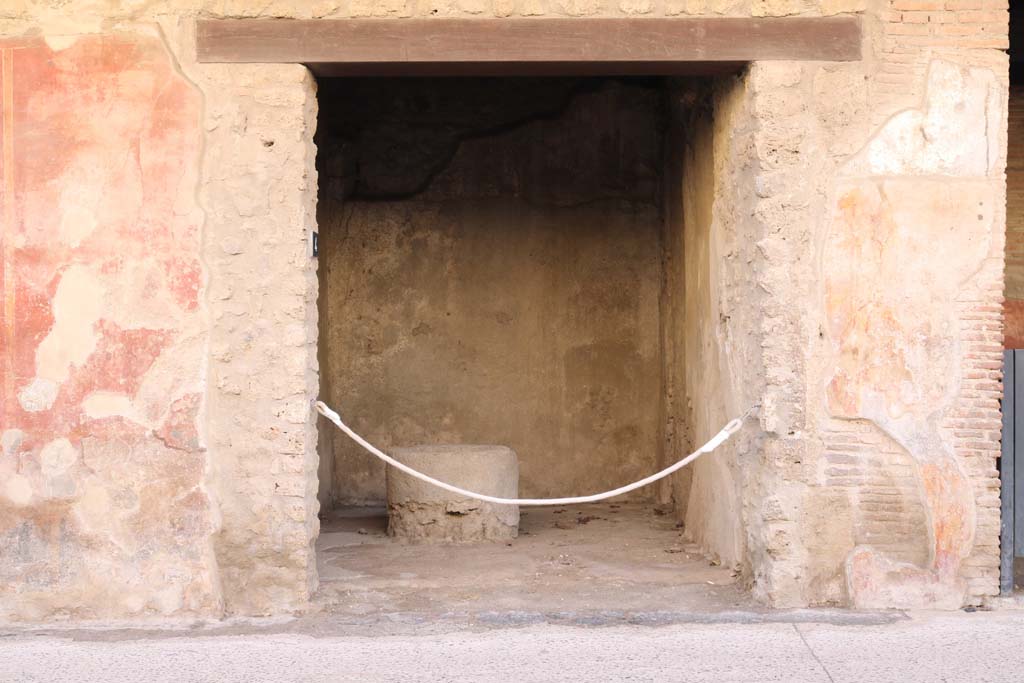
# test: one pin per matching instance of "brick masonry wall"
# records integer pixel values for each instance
(913, 31)
(979, 29)
(962, 547)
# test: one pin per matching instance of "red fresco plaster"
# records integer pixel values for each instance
(141, 133)
(99, 156)
(179, 430)
(891, 368)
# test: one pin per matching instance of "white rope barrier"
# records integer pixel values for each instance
(714, 442)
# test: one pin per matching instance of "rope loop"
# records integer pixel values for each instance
(714, 442)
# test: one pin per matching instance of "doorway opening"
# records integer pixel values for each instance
(522, 261)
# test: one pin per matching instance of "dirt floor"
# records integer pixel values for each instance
(575, 562)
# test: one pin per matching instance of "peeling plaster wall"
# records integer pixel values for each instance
(920, 358)
(895, 426)
(886, 416)
(160, 327)
(104, 510)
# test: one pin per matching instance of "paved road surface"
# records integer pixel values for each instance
(975, 647)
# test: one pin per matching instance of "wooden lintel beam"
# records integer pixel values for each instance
(483, 45)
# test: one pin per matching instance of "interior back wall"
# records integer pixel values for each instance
(490, 273)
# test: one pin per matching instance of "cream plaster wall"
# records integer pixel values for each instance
(720, 314)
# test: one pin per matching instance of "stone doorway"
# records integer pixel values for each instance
(523, 261)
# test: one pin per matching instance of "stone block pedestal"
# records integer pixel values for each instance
(422, 512)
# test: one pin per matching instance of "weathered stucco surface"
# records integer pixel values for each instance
(900, 353)
(848, 268)
(259, 193)
(161, 299)
(103, 507)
